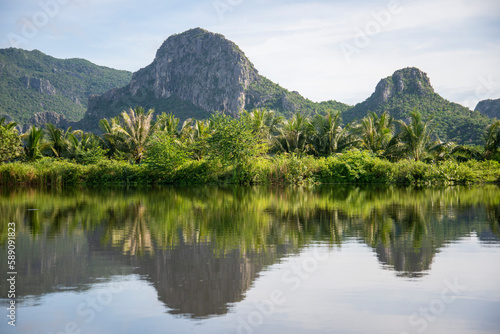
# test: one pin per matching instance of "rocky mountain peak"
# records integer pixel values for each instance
(409, 80)
(200, 67)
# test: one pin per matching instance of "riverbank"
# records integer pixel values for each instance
(353, 167)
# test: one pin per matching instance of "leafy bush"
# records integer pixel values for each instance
(353, 167)
(164, 154)
(10, 144)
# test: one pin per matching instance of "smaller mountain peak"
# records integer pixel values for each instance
(409, 80)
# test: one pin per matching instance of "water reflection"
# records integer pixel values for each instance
(203, 248)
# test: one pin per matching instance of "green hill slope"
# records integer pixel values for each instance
(32, 82)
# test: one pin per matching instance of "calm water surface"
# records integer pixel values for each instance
(253, 260)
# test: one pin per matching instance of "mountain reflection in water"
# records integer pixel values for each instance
(203, 248)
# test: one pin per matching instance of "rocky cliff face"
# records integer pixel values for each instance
(489, 108)
(199, 67)
(40, 85)
(42, 118)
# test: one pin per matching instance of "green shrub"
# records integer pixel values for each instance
(163, 155)
(354, 167)
(289, 168)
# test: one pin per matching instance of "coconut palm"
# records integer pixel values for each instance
(7, 125)
(58, 140)
(329, 136)
(415, 138)
(34, 143)
(168, 123)
(293, 135)
(264, 122)
(492, 139)
(194, 135)
(111, 137)
(84, 147)
(376, 132)
(135, 130)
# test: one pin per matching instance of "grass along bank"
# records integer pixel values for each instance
(353, 167)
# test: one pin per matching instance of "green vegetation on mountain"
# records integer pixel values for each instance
(32, 82)
(266, 94)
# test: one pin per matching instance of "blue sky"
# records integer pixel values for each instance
(323, 49)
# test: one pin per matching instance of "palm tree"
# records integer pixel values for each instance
(5, 125)
(264, 122)
(168, 123)
(136, 129)
(293, 135)
(34, 143)
(194, 135)
(329, 135)
(111, 137)
(416, 136)
(492, 139)
(58, 139)
(376, 132)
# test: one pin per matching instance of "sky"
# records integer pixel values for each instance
(325, 50)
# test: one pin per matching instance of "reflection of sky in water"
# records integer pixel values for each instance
(338, 290)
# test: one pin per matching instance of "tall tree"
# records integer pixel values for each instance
(329, 136)
(136, 128)
(492, 139)
(293, 135)
(168, 123)
(376, 132)
(57, 139)
(416, 136)
(10, 142)
(264, 123)
(34, 143)
(194, 135)
(232, 142)
(111, 136)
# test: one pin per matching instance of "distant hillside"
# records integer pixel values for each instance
(195, 73)
(409, 88)
(489, 108)
(32, 82)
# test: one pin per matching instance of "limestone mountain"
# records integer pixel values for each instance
(195, 73)
(410, 88)
(33, 83)
(489, 108)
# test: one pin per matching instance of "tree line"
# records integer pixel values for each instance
(137, 136)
